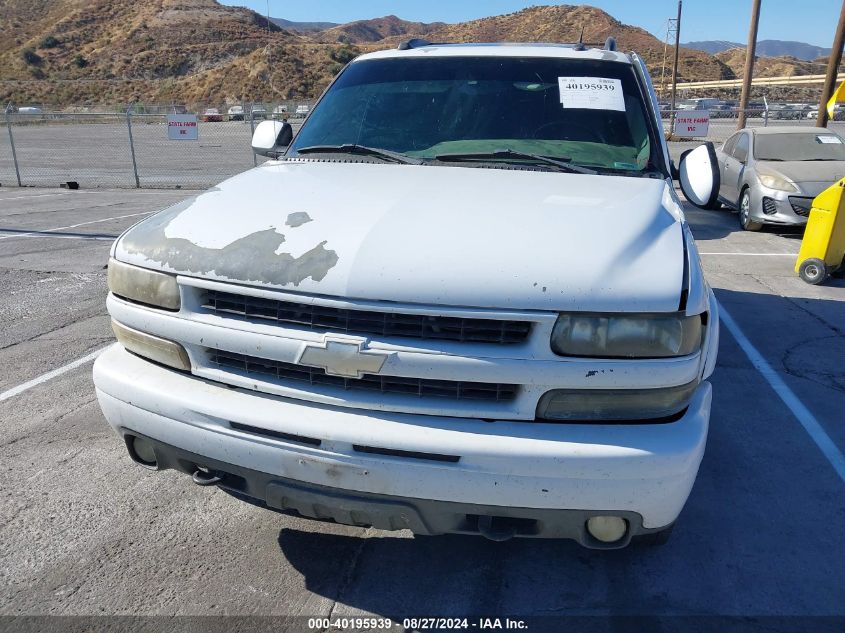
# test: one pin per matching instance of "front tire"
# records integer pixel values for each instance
(745, 220)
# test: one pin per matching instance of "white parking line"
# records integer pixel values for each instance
(799, 410)
(62, 237)
(37, 195)
(38, 232)
(14, 391)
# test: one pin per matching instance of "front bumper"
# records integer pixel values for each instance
(764, 199)
(643, 472)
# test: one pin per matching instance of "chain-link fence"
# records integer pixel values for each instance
(132, 148)
(723, 122)
(43, 147)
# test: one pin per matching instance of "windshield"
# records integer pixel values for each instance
(587, 112)
(817, 145)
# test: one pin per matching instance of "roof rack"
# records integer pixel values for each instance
(413, 43)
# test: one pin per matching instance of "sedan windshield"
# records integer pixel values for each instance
(815, 145)
(583, 112)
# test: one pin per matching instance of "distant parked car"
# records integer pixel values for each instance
(258, 112)
(723, 111)
(302, 110)
(236, 113)
(788, 111)
(698, 104)
(212, 114)
(770, 175)
(280, 111)
(29, 110)
(838, 113)
(755, 109)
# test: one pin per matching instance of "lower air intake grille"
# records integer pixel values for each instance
(800, 205)
(770, 207)
(421, 387)
(323, 318)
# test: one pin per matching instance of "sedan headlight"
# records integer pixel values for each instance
(614, 405)
(145, 286)
(776, 182)
(626, 336)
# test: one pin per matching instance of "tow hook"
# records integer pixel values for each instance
(502, 532)
(206, 477)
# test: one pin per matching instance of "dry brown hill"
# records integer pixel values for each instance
(563, 23)
(770, 66)
(376, 30)
(112, 51)
(66, 52)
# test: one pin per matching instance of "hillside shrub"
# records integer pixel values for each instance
(49, 41)
(31, 57)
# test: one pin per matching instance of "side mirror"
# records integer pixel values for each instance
(698, 175)
(270, 138)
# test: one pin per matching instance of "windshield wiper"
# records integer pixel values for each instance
(560, 162)
(362, 150)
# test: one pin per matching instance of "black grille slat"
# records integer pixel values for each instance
(420, 387)
(323, 318)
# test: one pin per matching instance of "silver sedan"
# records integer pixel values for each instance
(771, 175)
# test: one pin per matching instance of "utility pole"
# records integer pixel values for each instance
(675, 67)
(671, 27)
(832, 68)
(750, 50)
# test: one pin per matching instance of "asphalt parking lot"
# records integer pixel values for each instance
(87, 532)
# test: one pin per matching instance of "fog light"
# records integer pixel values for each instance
(152, 347)
(607, 529)
(143, 450)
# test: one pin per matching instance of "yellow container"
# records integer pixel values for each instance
(823, 247)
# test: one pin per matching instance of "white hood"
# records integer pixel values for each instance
(428, 234)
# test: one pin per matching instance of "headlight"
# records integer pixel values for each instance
(144, 286)
(626, 336)
(776, 182)
(593, 405)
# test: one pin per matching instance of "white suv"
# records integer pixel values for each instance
(463, 300)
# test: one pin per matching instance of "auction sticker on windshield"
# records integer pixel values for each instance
(829, 139)
(591, 93)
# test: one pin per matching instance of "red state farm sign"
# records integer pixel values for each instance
(182, 127)
(692, 123)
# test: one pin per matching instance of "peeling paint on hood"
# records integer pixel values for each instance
(252, 258)
(423, 234)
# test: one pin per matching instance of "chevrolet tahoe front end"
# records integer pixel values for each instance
(448, 343)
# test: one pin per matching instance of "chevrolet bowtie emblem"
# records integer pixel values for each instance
(342, 358)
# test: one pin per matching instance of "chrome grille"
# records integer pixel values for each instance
(800, 205)
(323, 318)
(421, 387)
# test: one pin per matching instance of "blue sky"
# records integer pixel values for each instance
(811, 21)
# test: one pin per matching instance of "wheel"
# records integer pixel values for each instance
(813, 271)
(745, 220)
(654, 539)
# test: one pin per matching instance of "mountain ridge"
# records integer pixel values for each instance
(765, 48)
